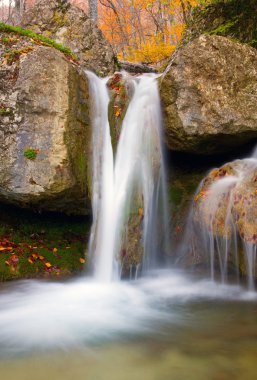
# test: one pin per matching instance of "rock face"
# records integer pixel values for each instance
(209, 96)
(44, 127)
(120, 93)
(234, 18)
(69, 25)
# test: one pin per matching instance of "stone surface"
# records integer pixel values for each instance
(44, 110)
(70, 26)
(234, 18)
(227, 197)
(209, 96)
(120, 90)
(224, 214)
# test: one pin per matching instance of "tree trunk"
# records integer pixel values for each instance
(20, 6)
(93, 10)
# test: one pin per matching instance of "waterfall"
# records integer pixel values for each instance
(130, 213)
(221, 227)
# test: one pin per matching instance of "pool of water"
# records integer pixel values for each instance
(167, 326)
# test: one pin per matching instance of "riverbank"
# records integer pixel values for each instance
(47, 245)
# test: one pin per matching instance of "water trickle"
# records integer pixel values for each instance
(223, 219)
(130, 215)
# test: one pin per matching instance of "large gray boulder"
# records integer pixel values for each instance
(44, 128)
(70, 26)
(209, 96)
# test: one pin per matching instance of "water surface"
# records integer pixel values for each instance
(163, 327)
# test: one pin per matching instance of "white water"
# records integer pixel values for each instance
(136, 171)
(223, 250)
(103, 181)
(42, 316)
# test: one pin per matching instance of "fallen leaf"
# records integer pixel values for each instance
(140, 211)
(118, 113)
(6, 248)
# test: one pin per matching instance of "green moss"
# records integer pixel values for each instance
(230, 18)
(176, 195)
(224, 28)
(37, 37)
(30, 153)
(59, 240)
(253, 43)
(5, 111)
(81, 164)
(13, 55)
(8, 41)
(59, 18)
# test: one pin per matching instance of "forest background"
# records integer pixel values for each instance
(145, 31)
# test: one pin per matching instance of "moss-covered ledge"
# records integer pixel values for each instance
(38, 38)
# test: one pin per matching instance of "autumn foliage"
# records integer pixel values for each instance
(141, 30)
(144, 30)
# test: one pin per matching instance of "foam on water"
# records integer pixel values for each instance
(41, 316)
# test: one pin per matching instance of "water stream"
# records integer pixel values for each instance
(222, 224)
(134, 180)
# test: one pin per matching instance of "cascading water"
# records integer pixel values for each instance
(223, 219)
(129, 203)
(128, 192)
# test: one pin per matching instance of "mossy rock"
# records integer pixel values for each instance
(238, 200)
(71, 27)
(236, 19)
(119, 100)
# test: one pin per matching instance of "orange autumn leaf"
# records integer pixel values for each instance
(82, 260)
(48, 265)
(118, 112)
(140, 211)
(6, 248)
(202, 194)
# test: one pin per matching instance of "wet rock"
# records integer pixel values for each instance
(227, 197)
(209, 96)
(120, 92)
(136, 68)
(132, 250)
(224, 216)
(244, 207)
(44, 127)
